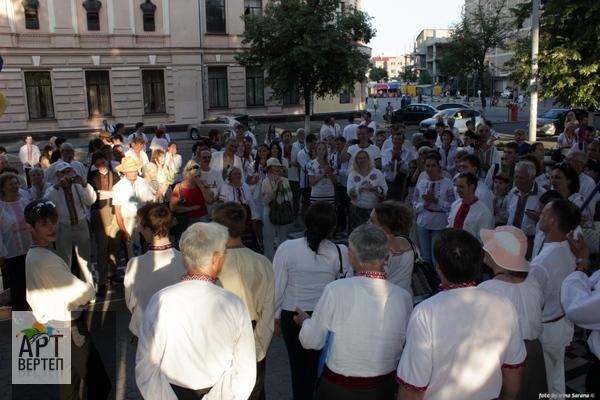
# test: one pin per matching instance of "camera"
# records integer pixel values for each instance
(72, 179)
(355, 141)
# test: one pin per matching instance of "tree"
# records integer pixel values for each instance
(307, 45)
(568, 58)
(378, 74)
(484, 28)
(409, 74)
(424, 77)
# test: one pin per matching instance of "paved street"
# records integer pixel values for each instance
(114, 340)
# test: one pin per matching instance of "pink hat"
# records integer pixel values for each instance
(507, 246)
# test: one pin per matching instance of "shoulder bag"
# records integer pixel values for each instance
(281, 213)
(425, 282)
(180, 220)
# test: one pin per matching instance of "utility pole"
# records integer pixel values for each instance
(533, 82)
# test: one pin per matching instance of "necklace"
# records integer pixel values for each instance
(160, 247)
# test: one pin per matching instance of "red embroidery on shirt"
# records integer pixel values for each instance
(373, 274)
(160, 247)
(515, 366)
(408, 386)
(457, 286)
(195, 277)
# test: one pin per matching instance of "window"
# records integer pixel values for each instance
(39, 95)
(253, 7)
(153, 82)
(215, 16)
(293, 97)
(255, 86)
(98, 93)
(217, 87)
(345, 96)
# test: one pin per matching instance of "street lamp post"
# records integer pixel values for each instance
(533, 83)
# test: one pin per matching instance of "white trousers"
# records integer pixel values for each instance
(78, 237)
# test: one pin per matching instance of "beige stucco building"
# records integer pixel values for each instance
(69, 64)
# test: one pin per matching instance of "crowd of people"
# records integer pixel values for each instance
(209, 265)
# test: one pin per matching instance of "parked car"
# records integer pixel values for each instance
(507, 94)
(552, 122)
(460, 115)
(446, 106)
(414, 113)
(221, 123)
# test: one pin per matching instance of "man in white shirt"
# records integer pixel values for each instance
(468, 212)
(397, 128)
(363, 144)
(304, 157)
(349, 309)
(471, 163)
(106, 127)
(368, 122)
(580, 298)
(73, 197)
(462, 328)
(137, 150)
(577, 159)
(56, 295)
(222, 160)
(29, 155)
(158, 268)
(139, 132)
(550, 268)
(184, 320)
(211, 178)
(67, 153)
(290, 153)
(250, 276)
(331, 127)
(129, 194)
(350, 129)
(524, 196)
(301, 139)
(395, 162)
(507, 167)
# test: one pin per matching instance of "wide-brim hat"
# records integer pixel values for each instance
(104, 134)
(129, 164)
(507, 245)
(273, 162)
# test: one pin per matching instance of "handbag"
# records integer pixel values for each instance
(424, 282)
(341, 274)
(281, 213)
(591, 235)
(180, 220)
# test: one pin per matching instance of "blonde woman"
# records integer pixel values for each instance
(366, 187)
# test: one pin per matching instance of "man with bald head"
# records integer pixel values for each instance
(67, 152)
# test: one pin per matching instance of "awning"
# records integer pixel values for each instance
(382, 86)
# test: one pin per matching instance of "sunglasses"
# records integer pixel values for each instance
(193, 168)
(42, 206)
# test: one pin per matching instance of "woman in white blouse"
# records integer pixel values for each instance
(174, 161)
(366, 187)
(274, 187)
(234, 189)
(396, 218)
(322, 176)
(565, 181)
(303, 267)
(432, 201)
(14, 240)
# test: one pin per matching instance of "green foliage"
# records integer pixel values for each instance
(409, 74)
(425, 78)
(569, 57)
(485, 27)
(307, 44)
(378, 74)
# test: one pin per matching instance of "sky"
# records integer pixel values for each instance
(398, 22)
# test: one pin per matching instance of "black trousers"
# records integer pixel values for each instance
(592, 381)
(342, 207)
(258, 393)
(15, 268)
(303, 363)
(86, 366)
(326, 390)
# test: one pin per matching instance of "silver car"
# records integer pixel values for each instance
(221, 123)
(460, 115)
